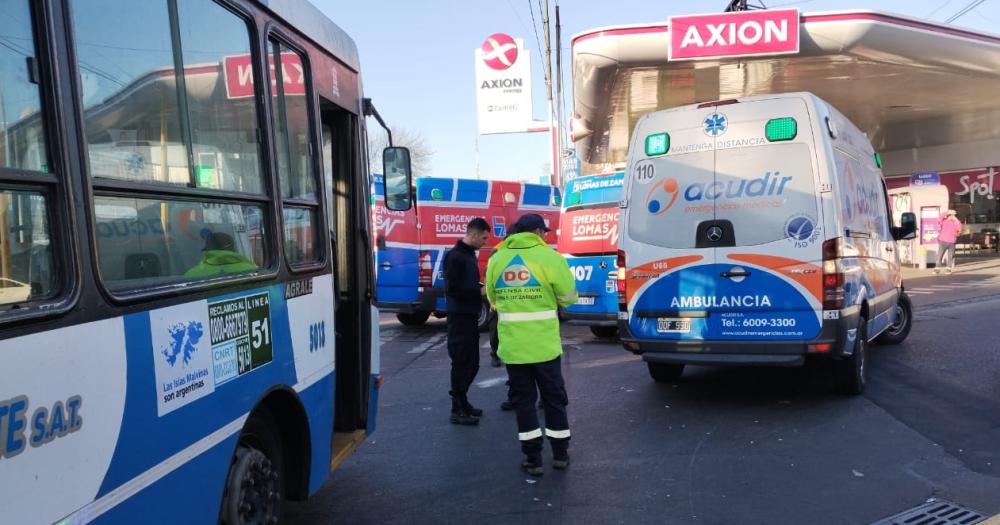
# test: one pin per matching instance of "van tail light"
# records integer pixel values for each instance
(425, 277)
(833, 276)
(622, 283)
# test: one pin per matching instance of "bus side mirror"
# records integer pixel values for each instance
(396, 167)
(907, 229)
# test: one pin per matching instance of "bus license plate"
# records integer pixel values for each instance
(670, 325)
(585, 301)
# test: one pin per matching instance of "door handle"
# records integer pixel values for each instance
(736, 274)
(386, 265)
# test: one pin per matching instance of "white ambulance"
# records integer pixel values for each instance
(757, 232)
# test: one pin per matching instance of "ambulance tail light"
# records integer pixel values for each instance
(718, 103)
(425, 276)
(833, 276)
(622, 283)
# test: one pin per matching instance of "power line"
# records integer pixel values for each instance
(940, 7)
(518, 15)
(534, 26)
(964, 11)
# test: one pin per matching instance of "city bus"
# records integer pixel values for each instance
(588, 237)
(187, 328)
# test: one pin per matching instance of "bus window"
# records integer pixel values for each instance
(25, 252)
(223, 116)
(300, 239)
(131, 109)
(292, 126)
(150, 242)
(20, 119)
(295, 165)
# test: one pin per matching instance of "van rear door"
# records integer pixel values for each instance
(735, 228)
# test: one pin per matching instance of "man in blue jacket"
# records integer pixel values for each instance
(463, 290)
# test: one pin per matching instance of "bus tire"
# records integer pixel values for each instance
(417, 318)
(604, 332)
(851, 373)
(486, 315)
(255, 485)
(664, 372)
(897, 332)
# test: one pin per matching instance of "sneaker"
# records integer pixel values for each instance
(463, 418)
(496, 362)
(561, 463)
(506, 406)
(532, 468)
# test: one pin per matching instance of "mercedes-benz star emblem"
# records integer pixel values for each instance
(714, 234)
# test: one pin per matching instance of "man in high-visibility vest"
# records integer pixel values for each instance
(527, 281)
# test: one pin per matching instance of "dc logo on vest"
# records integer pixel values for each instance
(516, 275)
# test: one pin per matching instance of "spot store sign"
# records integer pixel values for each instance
(503, 85)
(740, 34)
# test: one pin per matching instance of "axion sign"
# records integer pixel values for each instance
(239, 75)
(499, 51)
(746, 33)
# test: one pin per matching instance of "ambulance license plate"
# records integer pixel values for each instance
(671, 325)
(585, 301)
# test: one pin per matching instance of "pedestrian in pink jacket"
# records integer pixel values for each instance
(948, 232)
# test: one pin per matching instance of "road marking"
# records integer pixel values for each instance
(427, 345)
(918, 292)
(487, 383)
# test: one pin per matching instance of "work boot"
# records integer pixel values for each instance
(459, 415)
(561, 463)
(471, 410)
(533, 466)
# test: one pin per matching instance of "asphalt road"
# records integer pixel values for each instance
(720, 446)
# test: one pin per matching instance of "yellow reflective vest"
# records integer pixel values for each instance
(526, 281)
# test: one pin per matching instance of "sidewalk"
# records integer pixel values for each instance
(962, 265)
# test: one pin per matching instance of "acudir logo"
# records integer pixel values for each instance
(183, 342)
(662, 196)
(716, 124)
(499, 51)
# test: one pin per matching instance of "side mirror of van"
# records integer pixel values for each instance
(907, 229)
(398, 178)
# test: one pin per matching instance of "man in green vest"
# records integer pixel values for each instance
(527, 282)
(219, 257)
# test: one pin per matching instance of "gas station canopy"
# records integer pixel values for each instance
(927, 95)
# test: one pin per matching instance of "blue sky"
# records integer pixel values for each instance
(417, 62)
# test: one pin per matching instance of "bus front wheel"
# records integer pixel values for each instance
(255, 484)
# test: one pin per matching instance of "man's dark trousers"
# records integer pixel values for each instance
(463, 349)
(526, 381)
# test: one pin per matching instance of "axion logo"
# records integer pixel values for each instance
(665, 191)
(499, 51)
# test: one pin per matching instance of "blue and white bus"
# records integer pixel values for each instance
(187, 332)
(588, 237)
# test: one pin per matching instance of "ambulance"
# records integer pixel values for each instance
(410, 245)
(757, 231)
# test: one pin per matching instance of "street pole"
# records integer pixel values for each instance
(554, 179)
(560, 109)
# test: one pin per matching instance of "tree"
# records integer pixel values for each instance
(420, 151)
